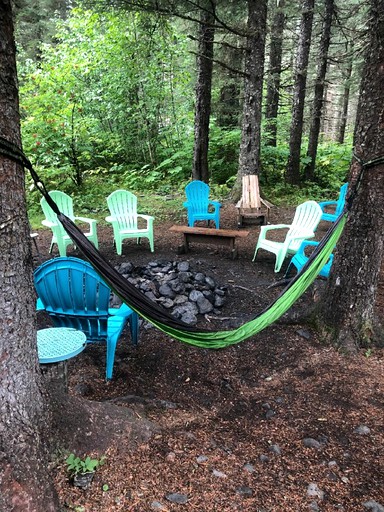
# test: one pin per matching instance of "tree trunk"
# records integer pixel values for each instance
(345, 96)
(318, 99)
(274, 74)
(200, 169)
(301, 65)
(249, 158)
(347, 311)
(24, 459)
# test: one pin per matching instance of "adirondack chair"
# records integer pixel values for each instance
(304, 224)
(337, 205)
(300, 259)
(124, 219)
(60, 237)
(251, 204)
(198, 205)
(75, 296)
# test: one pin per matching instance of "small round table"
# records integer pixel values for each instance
(59, 344)
(54, 346)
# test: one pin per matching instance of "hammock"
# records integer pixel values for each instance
(156, 315)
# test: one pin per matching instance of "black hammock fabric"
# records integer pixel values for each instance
(155, 313)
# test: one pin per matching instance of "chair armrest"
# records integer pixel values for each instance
(110, 218)
(85, 219)
(303, 236)
(264, 229)
(123, 310)
(146, 217)
(39, 305)
(216, 204)
(48, 223)
(323, 204)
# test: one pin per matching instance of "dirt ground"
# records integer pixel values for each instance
(277, 423)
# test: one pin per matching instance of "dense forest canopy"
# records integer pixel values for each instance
(112, 92)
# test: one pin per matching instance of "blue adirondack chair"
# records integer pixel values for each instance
(338, 205)
(75, 296)
(300, 259)
(198, 205)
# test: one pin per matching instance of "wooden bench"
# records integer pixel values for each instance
(225, 237)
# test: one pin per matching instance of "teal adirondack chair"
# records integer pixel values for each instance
(124, 219)
(198, 205)
(337, 205)
(59, 235)
(304, 224)
(75, 296)
(300, 259)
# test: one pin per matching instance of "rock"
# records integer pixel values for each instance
(204, 305)
(264, 458)
(219, 474)
(177, 497)
(156, 505)
(201, 458)
(210, 282)
(249, 467)
(200, 277)
(195, 295)
(189, 318)
(374, 506)
(275, 448)
(167, 291)
(244, 491)
(363, 430)
(304, 334)
(309, 442)
(313, 490)
(183, 266)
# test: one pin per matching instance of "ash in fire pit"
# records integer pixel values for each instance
(177, 287)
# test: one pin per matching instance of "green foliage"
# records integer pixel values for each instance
(107, 94)
(223, 153)
(78, 466)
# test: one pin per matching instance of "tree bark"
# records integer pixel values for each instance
(249, 158)
(24, 460)
(318, 100)
(345, 96)
(274, 74)
(347, 311)
(200, 169)
(301, 65)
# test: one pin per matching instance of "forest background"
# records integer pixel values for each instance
(123, 97)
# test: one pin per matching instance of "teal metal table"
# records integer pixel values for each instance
(59, 344)
(55, 346)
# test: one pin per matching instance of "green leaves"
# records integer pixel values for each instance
(77, 466)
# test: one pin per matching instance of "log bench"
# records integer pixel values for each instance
(224, 237)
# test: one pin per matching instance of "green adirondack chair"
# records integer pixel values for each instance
(124, 219)
(60, 237)
(304, 224)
